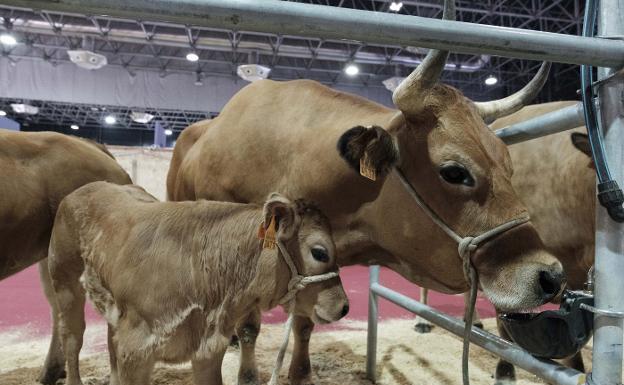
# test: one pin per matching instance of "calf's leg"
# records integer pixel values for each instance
(300, 370)
(247, 332)
(71, 299)
(135, 369)
(207, 371)
(505, 372)
(112, 353)
(54, 366)
(476, 320)
(575, 362)
(422, 325)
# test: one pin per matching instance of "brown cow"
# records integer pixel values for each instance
(557, 183)
(37, 170)
(553, 176)
(173, 279)
(282, 136)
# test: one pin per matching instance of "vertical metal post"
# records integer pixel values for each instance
(135, 171)
(609, 265)
(160, 139)
(371, 344)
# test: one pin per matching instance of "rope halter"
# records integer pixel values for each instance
(297, 282)
(466, 246)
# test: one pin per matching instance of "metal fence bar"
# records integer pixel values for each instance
(290, 18)
(564, 119)
(373, 310)
(609, 263)
(546, 369)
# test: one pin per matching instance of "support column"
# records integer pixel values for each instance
(160, 139)
(609, 265)
(371, 345)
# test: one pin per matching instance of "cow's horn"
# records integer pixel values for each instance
(408, 94)
(495, 109)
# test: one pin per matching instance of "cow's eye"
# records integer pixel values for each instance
(320, 254)
(455, 173)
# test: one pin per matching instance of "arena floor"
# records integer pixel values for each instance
(338, 351)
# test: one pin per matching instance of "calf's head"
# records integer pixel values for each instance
(306, 233)
(463, 173)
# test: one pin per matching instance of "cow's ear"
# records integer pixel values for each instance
(372, 145)
(581, 142)
(285, 213)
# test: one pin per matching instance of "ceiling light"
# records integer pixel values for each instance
(22, 108)
(396, 6)
(3, 113)
(491, 80)
(192, 56)
(141, 117)
(392, 83)
(351, 69)
(252, 72)
(110, 119)
(168, 132)
(7, 39)
(87, 59)
(74, 127)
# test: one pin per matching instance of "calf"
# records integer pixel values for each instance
(173, 279)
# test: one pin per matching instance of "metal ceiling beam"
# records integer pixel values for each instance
(272, 16)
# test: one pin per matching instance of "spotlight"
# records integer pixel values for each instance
(110, 119)
(74, 127)
(491, 80)
(168, 132)
(3, 113)
(396, 6)
(351, 69)
(7, 39)
(192, 56)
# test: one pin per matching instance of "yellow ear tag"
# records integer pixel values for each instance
(366, 168)
(268, 235)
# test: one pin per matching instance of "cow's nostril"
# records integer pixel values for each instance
(550, 283)
(345, 310)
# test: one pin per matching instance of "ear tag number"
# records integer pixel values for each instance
(267, 234)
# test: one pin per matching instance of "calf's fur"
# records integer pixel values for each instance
(174, 279)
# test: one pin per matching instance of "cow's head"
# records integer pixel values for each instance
(306, 233)
(463, 172)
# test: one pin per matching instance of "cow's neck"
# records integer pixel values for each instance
(392, 229)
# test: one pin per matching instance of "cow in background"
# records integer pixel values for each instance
(37, 170)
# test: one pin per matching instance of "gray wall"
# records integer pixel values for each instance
(65, 82)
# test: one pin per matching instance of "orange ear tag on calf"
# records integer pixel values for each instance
(366, 168)
(268, 235)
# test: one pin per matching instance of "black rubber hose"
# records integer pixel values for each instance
(610, 195)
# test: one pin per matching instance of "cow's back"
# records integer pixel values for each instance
(37, 170)
(556, 183)
(281, 136)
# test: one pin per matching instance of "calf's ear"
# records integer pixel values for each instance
(581, 142)
(372, 145)
(284, 211)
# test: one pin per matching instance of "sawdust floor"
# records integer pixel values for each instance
(338, 357)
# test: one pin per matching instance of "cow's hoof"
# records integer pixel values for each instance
(302, 381)
(423, 328)
(248, 377)
(505, 381)
(51, 374)
(478, 325)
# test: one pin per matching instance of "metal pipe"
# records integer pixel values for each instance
(371, 344)
(609, 263)
(546, 369)
(290, 18)
(563, 119)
